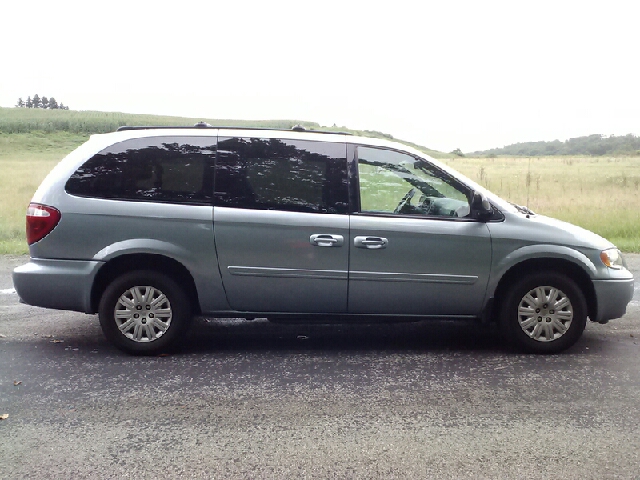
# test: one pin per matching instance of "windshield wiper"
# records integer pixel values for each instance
(522, 209)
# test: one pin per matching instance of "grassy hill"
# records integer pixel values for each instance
(85, 123)
(27, 120)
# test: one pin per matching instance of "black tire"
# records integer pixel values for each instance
(163, 312)
(545, 321)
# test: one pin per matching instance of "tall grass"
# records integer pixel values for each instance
(601, 194)
(25, 159)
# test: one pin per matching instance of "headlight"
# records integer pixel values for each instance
(612, 258)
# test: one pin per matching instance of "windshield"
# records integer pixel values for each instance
(492, 197)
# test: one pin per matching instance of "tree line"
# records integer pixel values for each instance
(41, 102)
(596, 145)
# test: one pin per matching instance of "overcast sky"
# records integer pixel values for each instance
(444, 74)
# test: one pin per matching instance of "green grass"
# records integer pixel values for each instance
(27, 120)
(25, 159)
(30, 120)
(601, 194)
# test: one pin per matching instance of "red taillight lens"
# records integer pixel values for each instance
(41, 220)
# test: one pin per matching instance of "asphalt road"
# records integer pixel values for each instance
(257, 400)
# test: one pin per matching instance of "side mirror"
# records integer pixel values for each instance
(480, 207)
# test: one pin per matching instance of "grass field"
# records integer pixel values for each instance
(25, 159)
(601, 194)
(27, 120)
(598, 193)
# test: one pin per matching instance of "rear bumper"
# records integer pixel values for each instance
(612, 296)
(59, 284)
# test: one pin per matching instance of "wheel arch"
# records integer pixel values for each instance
(556, 265)
(143, 261)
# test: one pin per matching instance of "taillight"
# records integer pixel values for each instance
(41, 220)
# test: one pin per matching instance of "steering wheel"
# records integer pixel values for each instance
(405, 200)
(427, 205)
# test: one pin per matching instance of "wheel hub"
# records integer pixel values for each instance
(545, 313)
(143, 313)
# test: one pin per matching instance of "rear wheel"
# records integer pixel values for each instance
(144, 312)
(544, 313)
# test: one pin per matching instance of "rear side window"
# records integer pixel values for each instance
(291, 175)
(160, 169)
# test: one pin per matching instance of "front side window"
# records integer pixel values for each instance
(278, 174)
(157, 169)
(393, 182)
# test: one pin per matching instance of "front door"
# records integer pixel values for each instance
(415, 250)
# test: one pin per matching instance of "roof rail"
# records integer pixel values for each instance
(161, 127)
(205, 125)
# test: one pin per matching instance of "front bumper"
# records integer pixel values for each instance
(59, 284)
(612, 297)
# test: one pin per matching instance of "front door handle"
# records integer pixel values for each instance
(372, 243)
(326, 240)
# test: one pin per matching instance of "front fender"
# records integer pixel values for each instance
(545, 251)
(502, 264)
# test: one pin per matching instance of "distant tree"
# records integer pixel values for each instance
(588, 145)
(41, 102)
(597, 150)
(458, 152)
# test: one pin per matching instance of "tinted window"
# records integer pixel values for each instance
(161, 169)
(280, 174)
(398, 183)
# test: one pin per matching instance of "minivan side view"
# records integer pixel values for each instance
(151, 226)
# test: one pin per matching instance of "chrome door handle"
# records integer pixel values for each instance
(372, 243)
(326, 240)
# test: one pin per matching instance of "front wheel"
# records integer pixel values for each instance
(144, 312)
(544, 313)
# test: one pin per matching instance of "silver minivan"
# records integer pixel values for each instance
(149, 227)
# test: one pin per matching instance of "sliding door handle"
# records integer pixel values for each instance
(326, 240)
